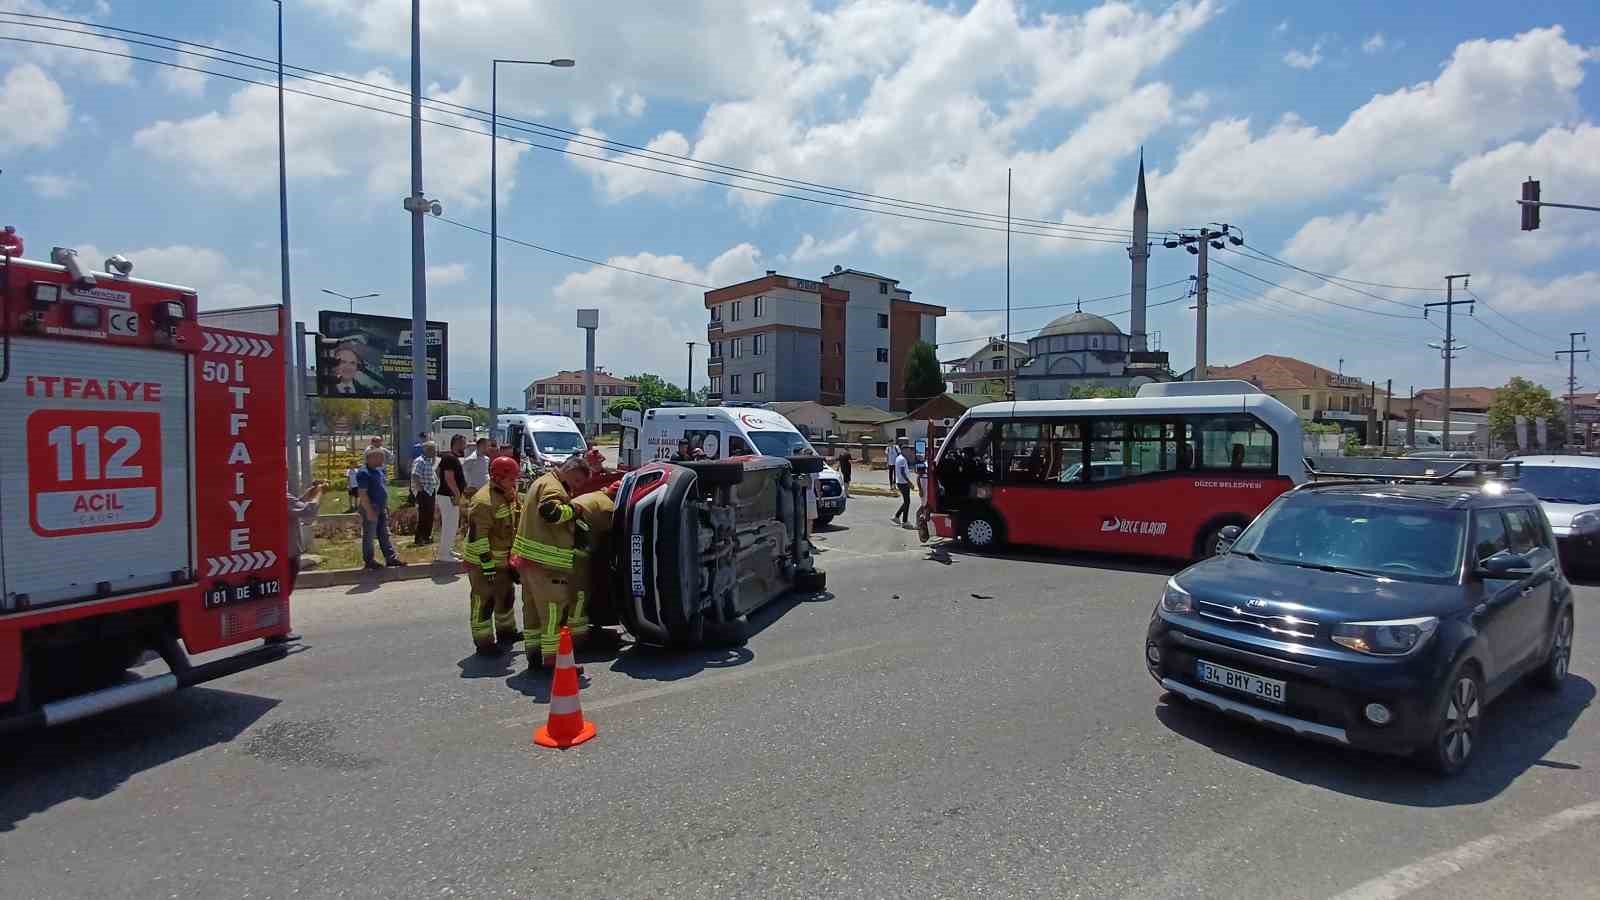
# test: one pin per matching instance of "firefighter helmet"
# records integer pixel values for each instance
(503, 468)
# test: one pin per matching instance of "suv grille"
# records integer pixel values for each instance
(1284, 626)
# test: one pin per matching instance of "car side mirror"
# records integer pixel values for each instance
(1226, 537)
(1505, 565)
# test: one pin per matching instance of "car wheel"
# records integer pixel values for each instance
(1210, 543)
(812, 582)
(823, 520)
(1459, 713)
(981, 532)
(1554, 671)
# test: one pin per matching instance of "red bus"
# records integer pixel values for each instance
(1159, 474)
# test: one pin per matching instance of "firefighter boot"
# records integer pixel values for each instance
(480, 615)
(505, 616)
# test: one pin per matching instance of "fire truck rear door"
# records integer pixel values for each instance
(94, 471)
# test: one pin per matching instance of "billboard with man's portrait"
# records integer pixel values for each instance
(370, 356)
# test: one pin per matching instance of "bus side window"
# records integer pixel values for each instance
(1236, 443)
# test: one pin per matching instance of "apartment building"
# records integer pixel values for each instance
(563, 393)
(841, 340)
(989, 372)
(1317, 394)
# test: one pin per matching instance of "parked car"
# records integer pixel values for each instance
(1569, 489)
(1381, 616)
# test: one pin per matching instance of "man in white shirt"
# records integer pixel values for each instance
(901, 474)
(891, 453)
(477, 466)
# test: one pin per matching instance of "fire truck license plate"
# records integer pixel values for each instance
(93, 470)
(227, 594)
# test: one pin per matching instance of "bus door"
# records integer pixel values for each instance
(1038, 464)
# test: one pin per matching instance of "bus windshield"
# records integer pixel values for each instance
(454, 423)
(780, 443)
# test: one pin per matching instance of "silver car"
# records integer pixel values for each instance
(1568, 487)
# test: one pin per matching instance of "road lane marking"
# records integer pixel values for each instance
(705, 679)
(1424, 872)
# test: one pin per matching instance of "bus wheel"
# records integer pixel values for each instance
(981, 532)
(1211, 541)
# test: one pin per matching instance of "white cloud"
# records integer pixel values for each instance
(183, 82)
(235, 150)
(618, 183)
(220, 283)
(446, 274)
(1488, 92)
(1304, 59)
(631, 306)
(1281, 27)
(54, 187)
(1374, 44)
(33, 109)
(101, 67)
(810, 250)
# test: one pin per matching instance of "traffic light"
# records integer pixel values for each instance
(1530, 212)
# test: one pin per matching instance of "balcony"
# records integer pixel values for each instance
(713, 328)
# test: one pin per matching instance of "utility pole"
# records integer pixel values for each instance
(1011, 390)
(293, 400)
(418, 206)
(688, 391)
(1198, 244)
(1411, 417)
(1448, 348)
(1571, 353)
(1388, 401)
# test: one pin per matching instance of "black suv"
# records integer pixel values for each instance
(1382, 616)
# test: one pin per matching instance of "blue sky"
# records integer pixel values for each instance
(1370, 141)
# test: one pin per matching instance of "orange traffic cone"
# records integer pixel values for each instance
(566, 727)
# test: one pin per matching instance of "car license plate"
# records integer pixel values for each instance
(828, 504)
(1266, 688)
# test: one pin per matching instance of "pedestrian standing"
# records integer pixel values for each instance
(373, 499)
(844, 470)
(476, 466)
(452, 497)
(350, 475)
(902, 482)
(303, 510)
(424, 485)
(891, 453)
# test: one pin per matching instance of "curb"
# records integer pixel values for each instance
(415, 572)
(865, 490)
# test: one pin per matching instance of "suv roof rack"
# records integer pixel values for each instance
(1409, 470)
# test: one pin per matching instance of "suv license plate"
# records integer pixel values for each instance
(1267, 689)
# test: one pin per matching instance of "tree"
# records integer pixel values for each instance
(329, 413)
(924, 381)
(654, 390)
(1521, 397)
(1096, 391)
(615, 408)
(479, 416)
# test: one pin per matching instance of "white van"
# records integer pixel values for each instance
(546, 438)
(723, 431)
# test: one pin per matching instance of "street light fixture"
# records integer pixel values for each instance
(494, 214)
(351, 299)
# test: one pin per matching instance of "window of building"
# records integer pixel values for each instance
(838, 348)
(759, 304)
(883, 320)
(733, 384)
(883, 287)
(716, 349)
(737, 346)
(883, 354)
(882, 389)
(716, 313)
(1305, 401)
(997, 364)
(758, 382)
(758, 346)
(738, 310)
(716, 384)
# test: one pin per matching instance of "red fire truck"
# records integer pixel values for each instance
(142, 480)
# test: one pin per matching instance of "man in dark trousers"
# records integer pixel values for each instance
(844, 470)
(424, 485)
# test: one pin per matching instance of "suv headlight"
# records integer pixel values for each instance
(1395, 637)
(1175, 599)
(1586, 522)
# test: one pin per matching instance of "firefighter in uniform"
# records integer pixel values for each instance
(491, 529)
(548, 539)
(593, 608)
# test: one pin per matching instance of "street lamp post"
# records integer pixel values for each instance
(352, 299)
(494, 215)
(688, 391)
(291, 400)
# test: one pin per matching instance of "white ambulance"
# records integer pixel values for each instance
(720, 432)
(545, 438)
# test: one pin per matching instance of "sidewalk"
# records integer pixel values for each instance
(319, 578)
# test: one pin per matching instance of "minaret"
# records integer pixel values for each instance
(1139, 253)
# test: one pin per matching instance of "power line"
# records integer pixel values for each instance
(1540, 336)
(1272, 260)
(550, 131)
(971, 309)
(1497, 333)
(1035, 331)
(574, 256)
(1325, 326)
(1291, 290)
(568, 152)
(1326, 277)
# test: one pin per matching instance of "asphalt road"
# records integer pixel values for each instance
(939, 725)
